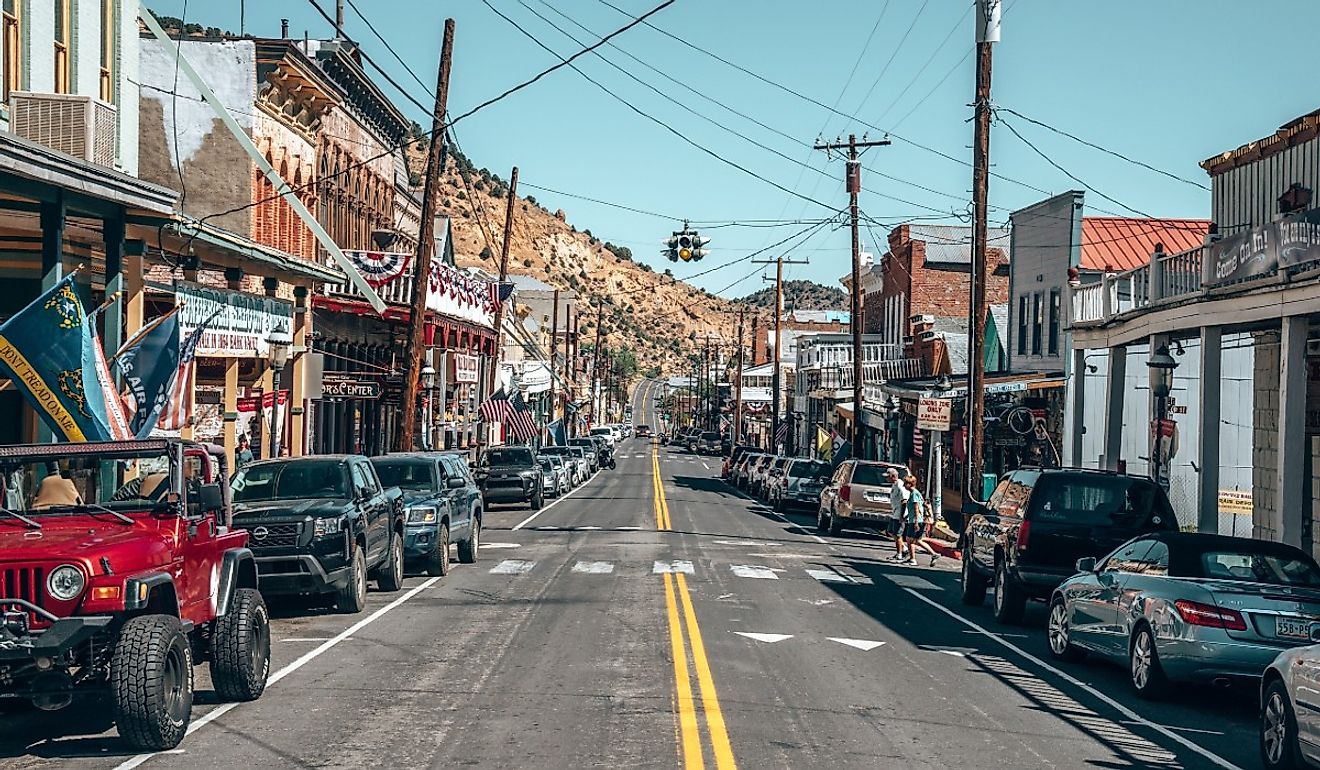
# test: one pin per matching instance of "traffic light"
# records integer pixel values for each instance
(686, 246)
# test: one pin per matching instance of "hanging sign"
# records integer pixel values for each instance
(934, 414)
(340, 386)
(466, 368)
(239, 323)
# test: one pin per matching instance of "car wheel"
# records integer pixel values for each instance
(1279, 747)
(390, 577)
(151, 680)
(1057, 630)
(973, 585)
(467, 549)
(1145, 672)
(437, 563)
(353, 597)
(537, 502)
(1010, 601)
(240, 648)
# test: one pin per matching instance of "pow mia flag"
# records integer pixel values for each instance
(149, 363)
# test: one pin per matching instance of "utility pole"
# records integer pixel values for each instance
(571, 345)
(554, 355)
(853, 177)
(737, 387)
(425, 245)
(776, 386)
(705, 383)
(504, 276)
(595, 366)
(987, 33)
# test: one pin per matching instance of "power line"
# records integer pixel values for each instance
(892, 55)
(922, 69)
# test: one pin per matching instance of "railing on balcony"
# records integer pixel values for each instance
(840, 376)
(1165, 278)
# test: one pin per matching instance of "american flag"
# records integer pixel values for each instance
(512, 411)
(781, 435)
(177, 411)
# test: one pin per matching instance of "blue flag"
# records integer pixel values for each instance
(150, 364)
(558, 437)
(51, 352)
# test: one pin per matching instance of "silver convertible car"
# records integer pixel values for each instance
(1180, 605)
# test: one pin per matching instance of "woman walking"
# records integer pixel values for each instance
(919, 519)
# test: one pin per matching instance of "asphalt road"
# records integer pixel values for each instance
(636, 624)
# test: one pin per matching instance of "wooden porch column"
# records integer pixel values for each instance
(1293, 473)
(231, 410)
(1115, 388)
(298, 386)
(112, 233)
(1210, 405)
(52, 270)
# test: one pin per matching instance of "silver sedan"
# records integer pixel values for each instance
(1186, 606)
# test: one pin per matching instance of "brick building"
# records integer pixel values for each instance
(796, 323)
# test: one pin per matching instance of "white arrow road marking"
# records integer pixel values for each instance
(586, 528)
(485, 546)
(829, 576)
(754, 571)
(594, 567)
(817, 602)
(912, 581)
(317, 639)
(861, 644)
(678, 565)
(954, 653)
(629, 529)
(512, 567)
(767, 638)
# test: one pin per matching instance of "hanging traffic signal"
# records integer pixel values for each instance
(686, 246)
(671, 248)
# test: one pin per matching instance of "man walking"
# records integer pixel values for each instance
(898, 504)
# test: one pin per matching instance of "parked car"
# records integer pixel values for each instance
(857, 497)
(759, 473)
(643, 431)
(772, 475)
(692, 440)
(800, 486)
(607, 433)
(743, 472)
(1176, 606)
(1289, 722)
(708, 443)
(575, 462)
(93, 568)
(511, 474)
(736, 454)
(442, 505)
(556, 483)
(321, 524)
(1038, 523)
(564, 469)
(591, 448)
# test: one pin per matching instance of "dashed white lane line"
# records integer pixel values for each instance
(512, 567)
(557, 501)
(1128, 713)
(678, 565)
(753, 571)
(829, 576)
(493, 546)
(303, 660)
(594, 567)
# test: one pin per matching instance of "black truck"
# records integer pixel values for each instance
(510, 474)
(321, 525)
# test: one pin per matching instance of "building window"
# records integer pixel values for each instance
(62, 22)
(1037, 321)
(1022, 316)
(108, 50)
(1055, 302)
(13, 49)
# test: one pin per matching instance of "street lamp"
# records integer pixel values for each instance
(1161, 366)
(279, 342)
(428, 385)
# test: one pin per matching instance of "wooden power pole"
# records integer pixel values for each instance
(987, 33)
(776, 385)
(595, 367)
(737, 386)
(554, 354)
(504, 276)
(425, 247)
(853, 177)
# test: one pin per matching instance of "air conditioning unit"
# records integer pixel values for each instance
(81, 126)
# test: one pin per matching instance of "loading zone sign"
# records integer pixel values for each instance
(934, 413)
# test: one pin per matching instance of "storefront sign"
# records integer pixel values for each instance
(1235, 501)
(237, 324)
(934, 414)
(466, 368)
(344, 387)
(1294, 240)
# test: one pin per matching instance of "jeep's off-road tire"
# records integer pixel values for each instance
(437, 563)
(151, 682)
(352, 598)
(240, 648)
(467, 549)
(537, 502)
(390, 576)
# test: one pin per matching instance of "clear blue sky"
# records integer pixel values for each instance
(1169, 83)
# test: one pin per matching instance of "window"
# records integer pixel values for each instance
(1128, 558)
(108, 50)
(1023, 311)
(1037, 300)
(62, 22)
(1055, 302)
(13, 49)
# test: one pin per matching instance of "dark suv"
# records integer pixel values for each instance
(1038, 523)
(442, 505)
(510, 474)
(320, 525)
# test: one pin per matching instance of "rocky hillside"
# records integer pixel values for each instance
(650, 313)
(801, 295)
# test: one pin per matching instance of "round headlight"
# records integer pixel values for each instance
(66, 582)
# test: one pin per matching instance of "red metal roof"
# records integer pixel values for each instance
(1122, 243)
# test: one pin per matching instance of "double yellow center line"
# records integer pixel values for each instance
(686, 705)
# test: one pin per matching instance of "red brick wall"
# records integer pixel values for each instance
(764, 327)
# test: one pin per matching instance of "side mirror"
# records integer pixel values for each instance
(210, 498)
(1086, 564)
(455, 482)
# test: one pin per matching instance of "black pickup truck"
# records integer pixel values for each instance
(321, 525)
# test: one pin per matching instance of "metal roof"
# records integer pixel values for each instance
(952, 244)
(1115, 244)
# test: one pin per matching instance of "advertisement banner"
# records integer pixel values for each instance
(237, 324)
(1294, 240)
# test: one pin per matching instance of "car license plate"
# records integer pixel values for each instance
(1289, 628)
(874, 497)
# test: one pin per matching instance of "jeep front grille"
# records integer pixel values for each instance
(24, 583)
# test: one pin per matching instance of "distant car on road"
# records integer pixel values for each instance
(736, 454)
(591, 448)
(442, 505)
(321, 524)
(708, 443)
(1038, 523)
(643, 431)
(607, 433)
(575, 462)
(510, 474)
(1188, 606)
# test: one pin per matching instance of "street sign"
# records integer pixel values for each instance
(1177, 410)
(934, 413)
(333, 387)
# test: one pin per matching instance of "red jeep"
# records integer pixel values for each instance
(119, 570)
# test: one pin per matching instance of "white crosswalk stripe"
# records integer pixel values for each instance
(829, 576)
(512, 567)
(754, 571)
(594, 567)
(678, 565)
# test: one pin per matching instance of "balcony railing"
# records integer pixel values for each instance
(840, 376)
(1166, 278)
